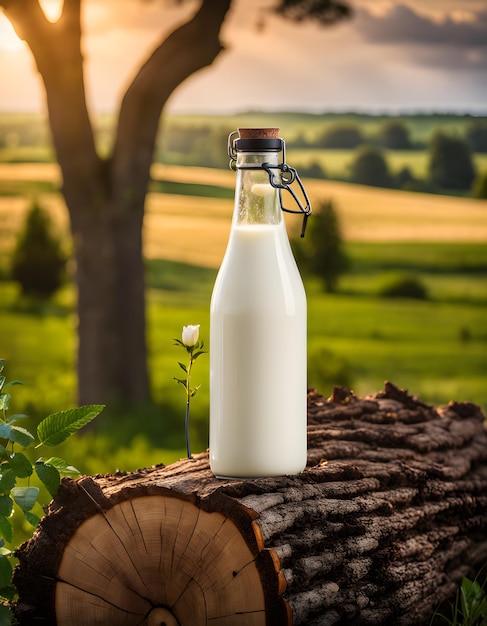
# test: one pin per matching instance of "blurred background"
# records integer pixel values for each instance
(383, 106)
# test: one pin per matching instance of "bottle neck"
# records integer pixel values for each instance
(256, 200)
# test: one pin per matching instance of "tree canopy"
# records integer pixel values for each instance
(451, 165)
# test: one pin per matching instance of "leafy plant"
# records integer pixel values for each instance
(469, 607)
(17, 469)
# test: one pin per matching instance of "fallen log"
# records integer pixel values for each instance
(388, 517)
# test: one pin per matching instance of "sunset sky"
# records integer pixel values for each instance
(393, 56)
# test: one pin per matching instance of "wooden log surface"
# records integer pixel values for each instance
(389, 515)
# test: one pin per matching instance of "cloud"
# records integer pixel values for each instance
(402, 25)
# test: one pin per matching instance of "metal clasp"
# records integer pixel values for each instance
(288, 176)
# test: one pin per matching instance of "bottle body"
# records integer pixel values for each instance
(257, 344)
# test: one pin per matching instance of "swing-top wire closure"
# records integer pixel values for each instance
(288, 175)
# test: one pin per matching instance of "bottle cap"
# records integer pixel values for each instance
(258, 140)
(258, 133)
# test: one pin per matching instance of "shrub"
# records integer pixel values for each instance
(403, 286)
(38, 261)
(370, 168)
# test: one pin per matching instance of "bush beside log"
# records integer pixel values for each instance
(388, 517)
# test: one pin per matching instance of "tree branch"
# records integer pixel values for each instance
(188, 49)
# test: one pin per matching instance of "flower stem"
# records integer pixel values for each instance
(188, 400)
(186, 429)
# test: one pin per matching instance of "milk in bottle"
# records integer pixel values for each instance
(257, 329)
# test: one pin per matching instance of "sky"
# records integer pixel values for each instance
(393, 56)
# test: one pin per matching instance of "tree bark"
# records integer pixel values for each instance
(105, 198)
(389, 515)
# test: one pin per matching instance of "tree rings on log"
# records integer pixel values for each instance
(380, 528)
(158, 551)
(149, 558)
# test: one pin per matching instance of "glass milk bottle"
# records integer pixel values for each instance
(258, 326)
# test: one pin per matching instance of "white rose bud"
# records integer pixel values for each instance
(190, 335)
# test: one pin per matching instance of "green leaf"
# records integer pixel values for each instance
(7, 480)
(6, 529)
(473, 601)
(2, 382)
(3, 362)
(6, 506)
(32, 518)
(183, 367)
(5, 571)
(56, 428)
(61, 465)
(13, 382)
(16, 434)
(21, 465)
(49, 476)
(4, 401)
(18, 416)
(21, 436)
(25, 497)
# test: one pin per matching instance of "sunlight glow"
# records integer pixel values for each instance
(8, 37)
(52, 9)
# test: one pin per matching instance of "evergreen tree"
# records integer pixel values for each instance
(38, 261)
(321, 251)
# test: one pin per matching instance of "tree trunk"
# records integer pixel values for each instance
(389, 515)
(106, 199)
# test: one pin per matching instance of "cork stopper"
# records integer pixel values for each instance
(258, 133)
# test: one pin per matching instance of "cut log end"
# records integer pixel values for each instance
(158, 551)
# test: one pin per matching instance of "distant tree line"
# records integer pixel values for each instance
(393, 134)
(451, 167)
